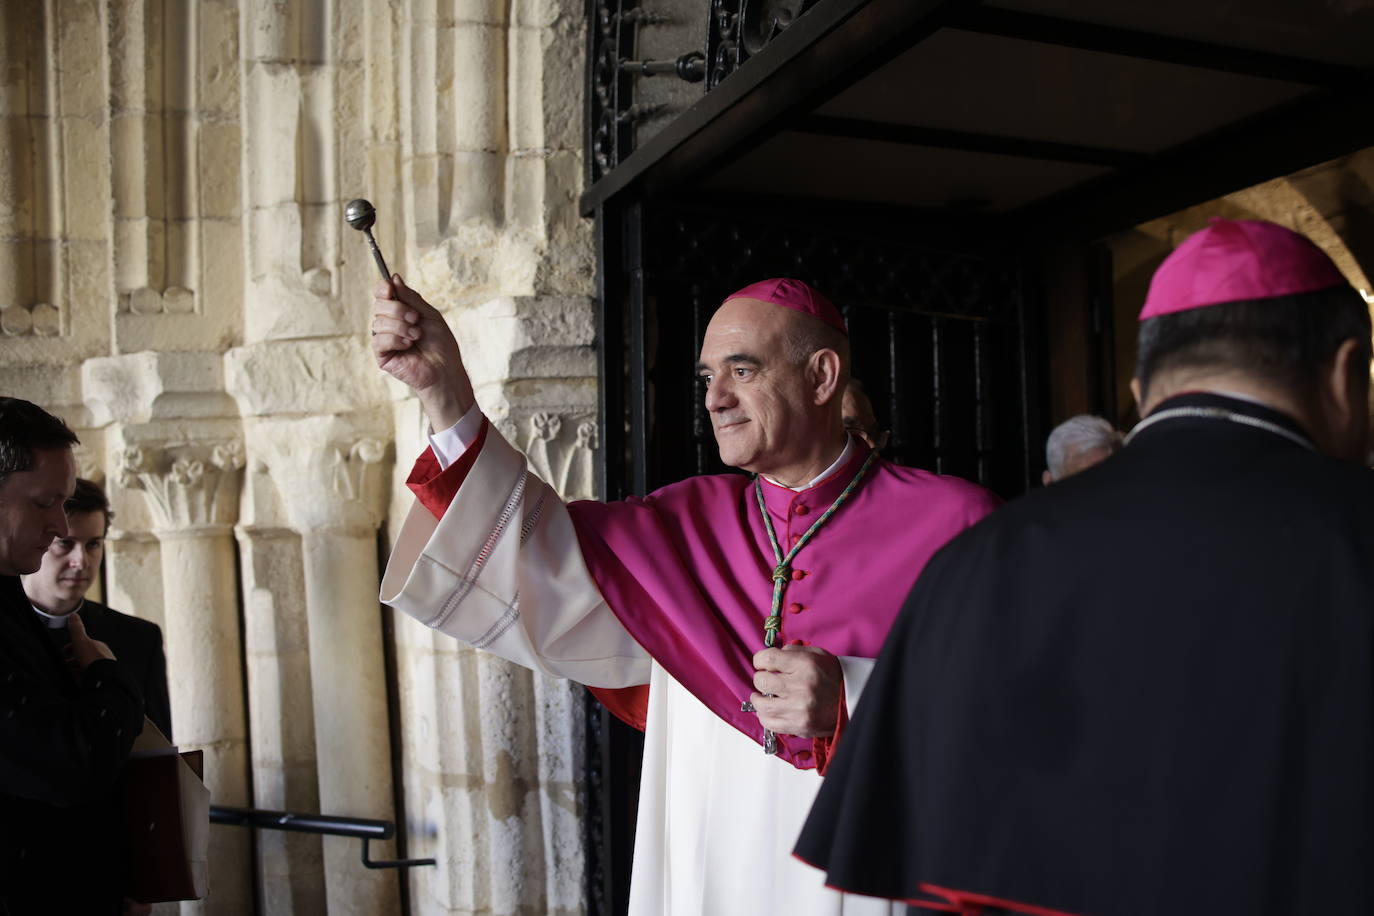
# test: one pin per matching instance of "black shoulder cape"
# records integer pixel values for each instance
(1147, 689)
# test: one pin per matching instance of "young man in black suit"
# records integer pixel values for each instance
(58, 588)
(66, 726)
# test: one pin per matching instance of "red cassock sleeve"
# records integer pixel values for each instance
(435, 487)
(628, 704)
(824, 748)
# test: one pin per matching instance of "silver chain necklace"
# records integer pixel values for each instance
(1220, 413)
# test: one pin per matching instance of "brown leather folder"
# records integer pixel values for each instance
(166, 822)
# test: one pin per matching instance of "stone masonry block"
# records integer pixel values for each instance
(55, 387)
(484, 11)
(130, 253)
(527, 89)
(317, 376)
(152, 385)
(525, 192)
(545, 337)
(479, 100)
(81, 77)
(130, 172)
(274, 113)
(544, 13)
(217, 51)
(86, 176)
(17, 186)
(478, 179)
(88, 292)
(218, 153)
(562, 87)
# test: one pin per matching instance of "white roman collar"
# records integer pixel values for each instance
(838, 463)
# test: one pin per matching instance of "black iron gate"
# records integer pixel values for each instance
(942, 339)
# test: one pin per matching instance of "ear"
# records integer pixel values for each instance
(1046, 478)
(823, 371)
(1135, 393)
(1346, 385)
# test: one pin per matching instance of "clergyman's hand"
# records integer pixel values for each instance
(84, 649)
(798, 690)
(412, 342)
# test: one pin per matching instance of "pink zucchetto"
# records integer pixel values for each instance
(794, 295)
(1236, 259)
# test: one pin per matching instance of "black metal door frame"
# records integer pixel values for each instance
(663, 266)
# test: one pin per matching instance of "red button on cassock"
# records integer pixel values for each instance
(795, 608)
(800, 509)
(798, 574)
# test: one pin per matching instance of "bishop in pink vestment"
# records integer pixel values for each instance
(672, 590)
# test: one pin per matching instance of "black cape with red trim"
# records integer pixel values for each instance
(1146, 689)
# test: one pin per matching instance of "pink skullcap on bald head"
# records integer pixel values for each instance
(794, 295)
(1232, 260)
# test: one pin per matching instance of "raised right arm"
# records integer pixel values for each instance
(501, 570)
(495, 561)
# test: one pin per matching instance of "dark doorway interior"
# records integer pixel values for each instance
(944, 170)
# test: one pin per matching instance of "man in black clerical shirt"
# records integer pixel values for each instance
(1149, 688)
(66, 727)
(59, 587)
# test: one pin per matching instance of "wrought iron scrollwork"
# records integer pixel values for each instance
(611, 66)
(723, 46)
(608, 93)
(764, 20)
(739, 29)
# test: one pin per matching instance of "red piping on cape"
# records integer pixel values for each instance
(966, 903)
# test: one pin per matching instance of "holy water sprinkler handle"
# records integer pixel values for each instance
(360, 214)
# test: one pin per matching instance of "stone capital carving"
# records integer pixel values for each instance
(189, 489)
(88, 460)
(330, 473)
(561, 449)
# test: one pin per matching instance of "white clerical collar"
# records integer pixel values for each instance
(838, 463)
(55, 621)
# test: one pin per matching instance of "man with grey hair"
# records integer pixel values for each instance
(1077, 444)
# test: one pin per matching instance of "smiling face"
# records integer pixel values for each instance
(70, 565)
(31, 512)
(771, 414)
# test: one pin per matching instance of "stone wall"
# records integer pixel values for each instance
(177, 281)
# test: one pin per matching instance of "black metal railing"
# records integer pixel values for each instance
(325, 824)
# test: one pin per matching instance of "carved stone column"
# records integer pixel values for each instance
(290, 865)
(493, 751)
(328, 475)
(192, 494)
